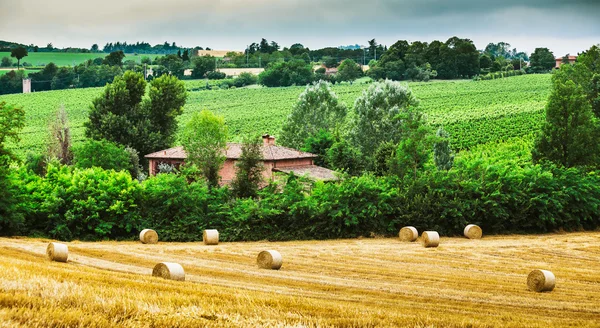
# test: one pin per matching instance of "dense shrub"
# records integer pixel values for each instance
(86, 204)
(498, 196)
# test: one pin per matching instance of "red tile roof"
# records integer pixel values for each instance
(234, 151)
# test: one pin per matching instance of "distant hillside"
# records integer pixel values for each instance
(7, 46)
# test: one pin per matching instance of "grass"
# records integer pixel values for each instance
(342, 283)
(473, 112)
(66, 58)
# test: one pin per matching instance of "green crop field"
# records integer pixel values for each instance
(66, 58)
(473, 112)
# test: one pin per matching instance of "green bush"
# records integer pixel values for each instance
(87, 204)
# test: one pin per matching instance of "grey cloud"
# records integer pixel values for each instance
(235, 23)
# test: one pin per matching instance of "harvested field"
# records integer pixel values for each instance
(341, 283)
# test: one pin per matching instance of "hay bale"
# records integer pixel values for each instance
(408, 234)
(541, 281)
(210, 237)
(57, 252)
(168, 270)
(430, 239)
(473, 231)
(269, 260)
(148, 236)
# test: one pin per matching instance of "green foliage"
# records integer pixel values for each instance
(342, 156)
(12, 120)
(542, 60)
(245, 79)
(202, 66)
(317, 108)
(319, 144)
(12, 82)
(570, 133)
(349, 71)
(104, 154)
(413, 151)
(249, 173)
(6, 62)
(442, 153)
(114, 59)
(166, 97)
(179, 210)
(205, 140)
(377, 117)
(214, 75)
(173, 65)
(88, 204)
(285, 74)
(383, 158)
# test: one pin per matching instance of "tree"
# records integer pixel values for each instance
(485, 62)
(349, 71)
(204, 139)
(203, 65)
(570, 133)
(542, 60)
(442, 153)
(317, 108)
(114, 59)
(565, 60)
(12, 120)
(59, 145)
(19, 53)
(166, 97)
(173, 64)
(186, 55)
(6, 62)
(94, 48)
(285, 74)
(119, 115)
(377, 117)
(249, 174)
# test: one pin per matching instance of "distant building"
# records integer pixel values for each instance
(26, 85)
(275, 159)
(572, 59)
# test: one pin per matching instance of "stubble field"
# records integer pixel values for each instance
(341, 283)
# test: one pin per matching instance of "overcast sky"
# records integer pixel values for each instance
(563, 26)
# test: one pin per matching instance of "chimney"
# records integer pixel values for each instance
(268, 140)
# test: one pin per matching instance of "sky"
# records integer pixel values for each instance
(562, 26)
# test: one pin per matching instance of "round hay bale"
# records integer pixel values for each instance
(430, 239)
(148, 236)
(408, 234)
(168, 270)
(269, 260)
(57, 252)
(210, 237)
(473, 231)
(541, 281)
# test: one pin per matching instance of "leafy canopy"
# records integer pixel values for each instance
(317, 108)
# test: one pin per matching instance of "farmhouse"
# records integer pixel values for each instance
(275, 159)
(572, 60)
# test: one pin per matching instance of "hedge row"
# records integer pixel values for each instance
(94, 204)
